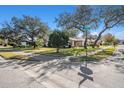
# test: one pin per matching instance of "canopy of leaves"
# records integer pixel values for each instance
(23, 29)
(58, 39)
(109, 38)
(71, 32)
(34, 27)
(79, 19)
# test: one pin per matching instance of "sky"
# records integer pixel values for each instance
(47, 14)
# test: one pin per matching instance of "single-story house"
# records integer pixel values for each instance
(121, 42)
(74, 42)
(79, 42)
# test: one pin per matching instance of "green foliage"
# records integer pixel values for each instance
(109, 17)
(99, 56)
(39, 42)
(23, 29)
(34, 29)
(58, 39)
(82, 19)
(71, 32)
(108, 38)
(10, 55)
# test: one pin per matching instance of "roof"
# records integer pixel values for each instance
(77, 39)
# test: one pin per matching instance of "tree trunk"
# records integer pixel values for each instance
(98, 38)
(33, 42)
(34, 45)
(95, 43)
(57, 50)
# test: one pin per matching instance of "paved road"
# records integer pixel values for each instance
(50, 71)
(13, 77)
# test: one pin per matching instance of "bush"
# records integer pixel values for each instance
(58, 39)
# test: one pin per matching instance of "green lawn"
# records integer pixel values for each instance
(9, 48)
(11, 55)
(40, 50)
(100, 55)
(8, 52)
(77, 51)
(63, 51)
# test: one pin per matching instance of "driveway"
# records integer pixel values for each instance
(52, 71)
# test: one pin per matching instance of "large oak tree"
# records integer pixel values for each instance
(109, 17)
(34, 28)
(27, 28)
(79, 19)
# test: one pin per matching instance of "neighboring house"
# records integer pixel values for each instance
(24, 43)
(73, 42)
(79, 42)
(121, 42)
(76, 42)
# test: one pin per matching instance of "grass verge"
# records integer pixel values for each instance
(10, 55)
(63, 51)
(100, 55)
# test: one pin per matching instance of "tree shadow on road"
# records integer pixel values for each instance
(86, 74)
(8, 63)
(120, 67)
(43, 64)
